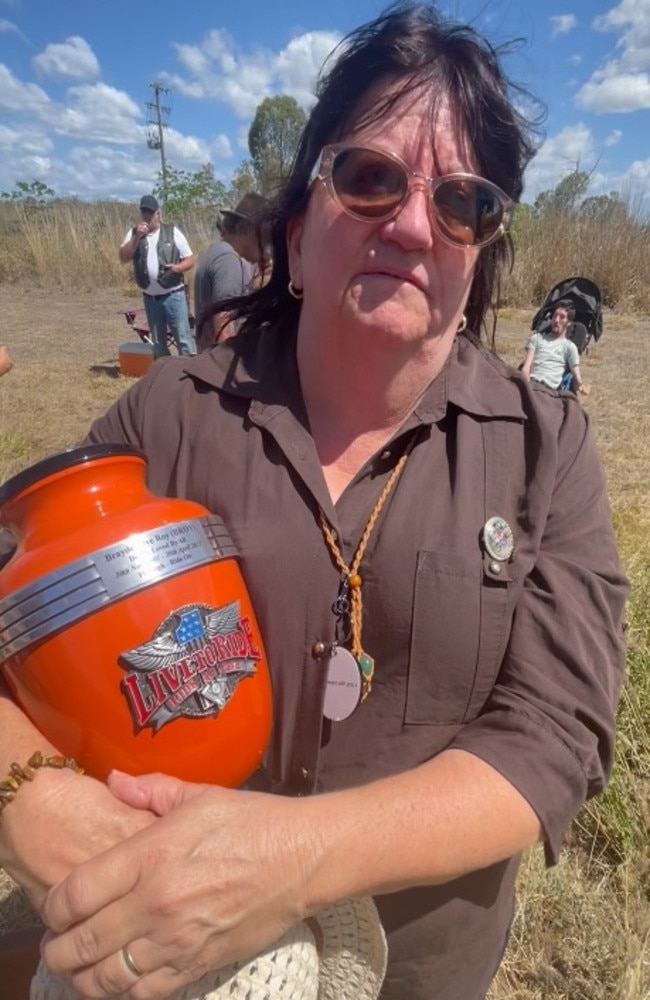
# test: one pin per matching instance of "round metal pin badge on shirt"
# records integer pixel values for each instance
(498, 539)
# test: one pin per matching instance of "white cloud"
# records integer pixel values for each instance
(574, 148)
(72, 59)
(613, 138)
(21, 98)
(637, 176)
(610, 90)
(21, 142)
(100, 171)
(622, 84)
(218, 70)
(633, 185)
(186, 149)
(22, 159)
(221, 146)
(99, 113)
(298, 64)
(570, 149)
(7, 27)
(562, 24)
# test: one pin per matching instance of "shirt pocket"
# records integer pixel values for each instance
(461, 621)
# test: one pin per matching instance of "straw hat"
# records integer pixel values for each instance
(340, 954)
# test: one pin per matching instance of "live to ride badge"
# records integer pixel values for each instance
(190, 667)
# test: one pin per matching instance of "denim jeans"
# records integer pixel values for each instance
(170, 310)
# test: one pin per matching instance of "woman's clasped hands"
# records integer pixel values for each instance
(218, 876)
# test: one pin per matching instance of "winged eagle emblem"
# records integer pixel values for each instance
(186, 631)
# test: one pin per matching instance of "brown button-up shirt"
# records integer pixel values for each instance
(518, 661)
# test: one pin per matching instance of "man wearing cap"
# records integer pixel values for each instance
(227, 268)
(160, 255)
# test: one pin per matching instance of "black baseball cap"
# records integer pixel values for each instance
(148, 203)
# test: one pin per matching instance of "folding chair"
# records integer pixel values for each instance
(137, 320)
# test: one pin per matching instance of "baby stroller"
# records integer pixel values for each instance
(587, 300)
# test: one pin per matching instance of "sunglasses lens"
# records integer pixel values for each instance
(367, 184)
(468, 212)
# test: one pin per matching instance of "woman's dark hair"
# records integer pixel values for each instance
(409, 46)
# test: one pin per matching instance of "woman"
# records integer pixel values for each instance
(414, 518)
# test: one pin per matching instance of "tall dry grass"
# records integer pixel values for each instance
(582, 929)
(612, 249)
(73, 245)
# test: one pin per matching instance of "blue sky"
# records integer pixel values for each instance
(75, 76)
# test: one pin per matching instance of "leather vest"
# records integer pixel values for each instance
(168, 253)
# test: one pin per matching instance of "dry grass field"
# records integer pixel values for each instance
(582, 930)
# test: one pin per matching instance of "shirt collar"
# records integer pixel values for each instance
(263, 368)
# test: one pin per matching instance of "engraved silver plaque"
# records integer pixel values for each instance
(67, 594)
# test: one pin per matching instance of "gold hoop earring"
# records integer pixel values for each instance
(295, 293)
(462, 326)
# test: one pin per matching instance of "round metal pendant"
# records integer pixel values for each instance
(343, 686)
(498, 539)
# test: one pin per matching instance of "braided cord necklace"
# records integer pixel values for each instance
(349, 600)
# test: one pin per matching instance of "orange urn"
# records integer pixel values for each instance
(127, 633)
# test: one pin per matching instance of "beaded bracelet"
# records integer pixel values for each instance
(17, 774)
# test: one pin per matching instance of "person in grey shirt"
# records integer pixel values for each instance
(549, 355)
(227, 267)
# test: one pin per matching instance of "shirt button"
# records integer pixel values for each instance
(318, 650)
(385, 454)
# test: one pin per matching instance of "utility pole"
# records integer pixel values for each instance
(157, 123)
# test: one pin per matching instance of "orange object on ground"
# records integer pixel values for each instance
(126, 630)
(136, 358)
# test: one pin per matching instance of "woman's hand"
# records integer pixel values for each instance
(218, 878)
(58, 821)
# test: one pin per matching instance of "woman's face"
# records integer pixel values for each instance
(396, 282)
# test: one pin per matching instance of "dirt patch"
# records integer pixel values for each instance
(66, 372)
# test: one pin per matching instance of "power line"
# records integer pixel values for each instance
(156, 125)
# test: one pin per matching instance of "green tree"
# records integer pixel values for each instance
(185, 191)
(273, 140)
(243, 180)
(565, 197)
(523, 219)
(607, 209)
(29, 192)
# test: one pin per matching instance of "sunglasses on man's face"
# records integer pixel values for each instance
(372, 185)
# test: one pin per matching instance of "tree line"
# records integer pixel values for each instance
(273, 139)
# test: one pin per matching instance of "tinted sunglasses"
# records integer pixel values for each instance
(372, 185)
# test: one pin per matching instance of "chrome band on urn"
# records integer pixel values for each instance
(65, 595)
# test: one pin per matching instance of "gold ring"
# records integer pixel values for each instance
(131, 965)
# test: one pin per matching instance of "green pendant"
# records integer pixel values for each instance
(366, 665)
